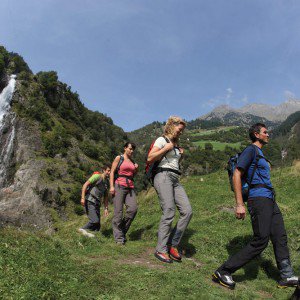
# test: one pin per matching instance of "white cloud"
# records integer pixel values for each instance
(229, 93)
(244, 100)
(289, 95)
(227, 99)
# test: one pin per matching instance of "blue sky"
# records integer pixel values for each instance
(140, 61)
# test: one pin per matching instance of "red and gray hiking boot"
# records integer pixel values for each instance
(164, 257)
(224, 279)
(174, 254)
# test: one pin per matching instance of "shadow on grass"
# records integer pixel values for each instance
(107, 232)
(189, 248)
(137, 234)
(252, 268)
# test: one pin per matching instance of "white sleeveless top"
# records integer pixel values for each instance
(171, 158)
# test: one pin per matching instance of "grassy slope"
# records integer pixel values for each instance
(201, 132)
(218, 145)
(67, 265)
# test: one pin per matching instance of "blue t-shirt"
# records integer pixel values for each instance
(246, 162)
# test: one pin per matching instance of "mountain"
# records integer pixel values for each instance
(228, 116)
(287, 126)
(272, 112)
(49, 144)
(271, 115)
(288, 136)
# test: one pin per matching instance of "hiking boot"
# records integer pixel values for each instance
(288, 282)
(120, 243)
(174, 254)
(224, 280)
(85, 233)
(164, 257)
(296, 294)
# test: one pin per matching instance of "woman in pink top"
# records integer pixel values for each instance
(122, 190)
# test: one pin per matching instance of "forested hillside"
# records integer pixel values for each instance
(288, 136)
(64, 141)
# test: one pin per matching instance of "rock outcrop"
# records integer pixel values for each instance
(21, 181)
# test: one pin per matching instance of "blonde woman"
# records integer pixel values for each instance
(168, 153)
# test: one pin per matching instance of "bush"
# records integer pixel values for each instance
(17, 64)
(56, 141)
(90, 150)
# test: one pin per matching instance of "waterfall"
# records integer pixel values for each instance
(5, 98)
(7, 129)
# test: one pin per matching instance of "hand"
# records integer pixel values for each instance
(168, 146)
(82, 201)
(240, 211)
(112, 191)
(136, 166)
(106, 213)
(181, 150)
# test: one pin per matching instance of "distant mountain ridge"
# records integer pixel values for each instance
(226, 115)
(276, 113)
(270, 114)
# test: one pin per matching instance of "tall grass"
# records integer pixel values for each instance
(66, 265)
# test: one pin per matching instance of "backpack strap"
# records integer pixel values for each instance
(120, 163)
(116, 175)
(257, 158)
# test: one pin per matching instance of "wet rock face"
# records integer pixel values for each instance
(20, 198)
(7, 138)
(20, 202)
(24, 197)
(3, 82)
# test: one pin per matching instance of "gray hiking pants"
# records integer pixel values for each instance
(93, 213)
(171, 195)
(121, 224)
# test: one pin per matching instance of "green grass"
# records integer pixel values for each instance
(201, 132)
(218, 145)
(66, 265)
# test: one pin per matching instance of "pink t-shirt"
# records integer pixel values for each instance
(127, 168)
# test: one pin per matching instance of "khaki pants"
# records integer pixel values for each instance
(171, 195)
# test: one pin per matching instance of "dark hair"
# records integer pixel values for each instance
(130, 143)
(106, 166)
(255, 129)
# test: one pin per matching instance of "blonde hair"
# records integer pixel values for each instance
(170, 124)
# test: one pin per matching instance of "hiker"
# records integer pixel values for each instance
(171, 194)
(122, 190)
(93, 190)
(266, 218)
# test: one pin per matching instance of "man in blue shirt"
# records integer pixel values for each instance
(266, 218)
